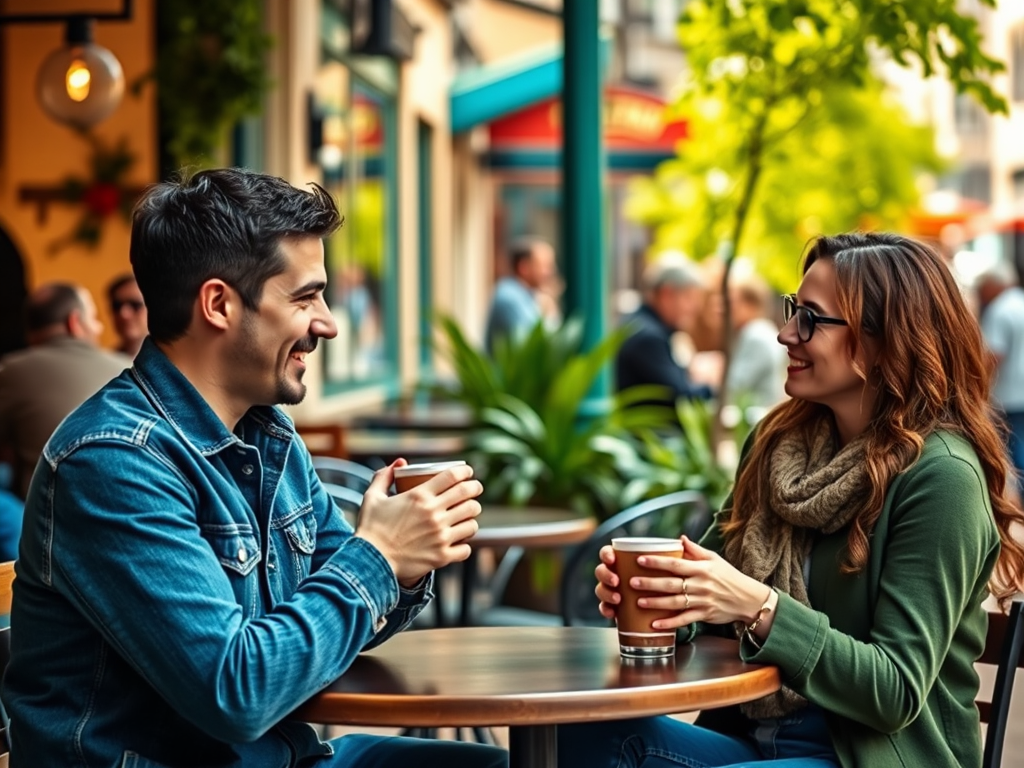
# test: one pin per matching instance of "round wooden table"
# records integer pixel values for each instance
(530, 679)
(531, 527)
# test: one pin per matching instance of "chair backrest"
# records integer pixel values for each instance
(323, 439)
(343, 472)
(348, 500)
(670, 515)
(1004, 647)
(6, 582)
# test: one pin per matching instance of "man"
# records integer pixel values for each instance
(1002, 325)
(128, 309)
(673, 296)
(757, 368)
(515, 308)
(184, 581)
(62, 366)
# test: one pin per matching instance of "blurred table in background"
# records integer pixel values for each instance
(426, 417)
(377, 447)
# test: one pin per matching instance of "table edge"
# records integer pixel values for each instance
(538, 708)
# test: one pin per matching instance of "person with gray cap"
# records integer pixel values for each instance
(673, 296)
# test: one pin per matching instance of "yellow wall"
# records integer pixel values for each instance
(36, 151)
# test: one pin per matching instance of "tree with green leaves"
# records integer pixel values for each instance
(766, 84)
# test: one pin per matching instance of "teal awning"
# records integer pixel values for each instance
(486, 93)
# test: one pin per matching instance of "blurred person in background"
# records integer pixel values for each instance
(516, 308)
(128, 309)
(1001, 301)
(673, 290)
(757, 366)
(61, 368)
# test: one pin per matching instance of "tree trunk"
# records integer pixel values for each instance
(754, 168)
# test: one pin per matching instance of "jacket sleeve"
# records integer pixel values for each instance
(155, 590)
(939, 549)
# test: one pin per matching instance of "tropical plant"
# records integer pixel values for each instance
(533, 442)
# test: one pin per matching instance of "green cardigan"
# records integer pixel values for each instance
(889, 653)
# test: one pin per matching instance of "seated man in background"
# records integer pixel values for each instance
(128, 309)
(673, 291)
(184, 581)
(62, 366)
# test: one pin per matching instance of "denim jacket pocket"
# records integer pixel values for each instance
(235, 546)
(299, 533)
(135, 760)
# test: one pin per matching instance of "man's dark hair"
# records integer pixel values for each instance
(225, 223)
(520, 250)
(51, 305)
(117, 284)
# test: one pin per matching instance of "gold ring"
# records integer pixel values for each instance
(686, 595)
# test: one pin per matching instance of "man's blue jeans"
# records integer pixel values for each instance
(368, 751)
(800, 740)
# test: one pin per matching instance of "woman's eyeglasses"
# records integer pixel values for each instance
(806, 318)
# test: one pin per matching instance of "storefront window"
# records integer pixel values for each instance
(357, 160)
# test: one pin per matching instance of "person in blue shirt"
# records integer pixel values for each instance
(184, 582)
(515, 308)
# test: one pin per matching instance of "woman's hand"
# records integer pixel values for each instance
(701, 586)
(607, 583)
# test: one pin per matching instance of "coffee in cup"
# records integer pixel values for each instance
(411, 475)
(637, 638)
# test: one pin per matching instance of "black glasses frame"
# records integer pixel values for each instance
(806, 318)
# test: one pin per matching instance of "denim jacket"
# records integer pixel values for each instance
(181, 588)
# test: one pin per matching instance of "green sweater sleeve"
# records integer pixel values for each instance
(935, 554)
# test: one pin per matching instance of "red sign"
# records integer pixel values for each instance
(633, 120)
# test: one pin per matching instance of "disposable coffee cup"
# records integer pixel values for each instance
(637, 638)
(411, 475)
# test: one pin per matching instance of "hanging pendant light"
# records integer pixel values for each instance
(80, 83)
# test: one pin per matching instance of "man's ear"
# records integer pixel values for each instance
(218, 304)
(75, 327)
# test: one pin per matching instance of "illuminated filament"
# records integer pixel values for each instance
(77, 80)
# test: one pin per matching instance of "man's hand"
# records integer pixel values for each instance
(424, 528)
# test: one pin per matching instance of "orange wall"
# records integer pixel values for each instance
(36, 151)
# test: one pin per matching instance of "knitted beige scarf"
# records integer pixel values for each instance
(811, 486)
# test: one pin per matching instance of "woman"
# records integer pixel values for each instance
(867, 525)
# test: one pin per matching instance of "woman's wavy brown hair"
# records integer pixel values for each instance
(932, 373)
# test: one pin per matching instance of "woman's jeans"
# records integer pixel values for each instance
(800, 740)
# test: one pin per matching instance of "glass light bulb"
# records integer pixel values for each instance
(77, 80)
(80, 84)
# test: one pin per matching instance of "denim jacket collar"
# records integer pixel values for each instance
(186, 409)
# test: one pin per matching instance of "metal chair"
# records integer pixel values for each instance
(1004, 647)
(347, 500)
(669, 515)
(343, 472)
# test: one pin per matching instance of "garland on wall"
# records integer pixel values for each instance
(100, 194)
